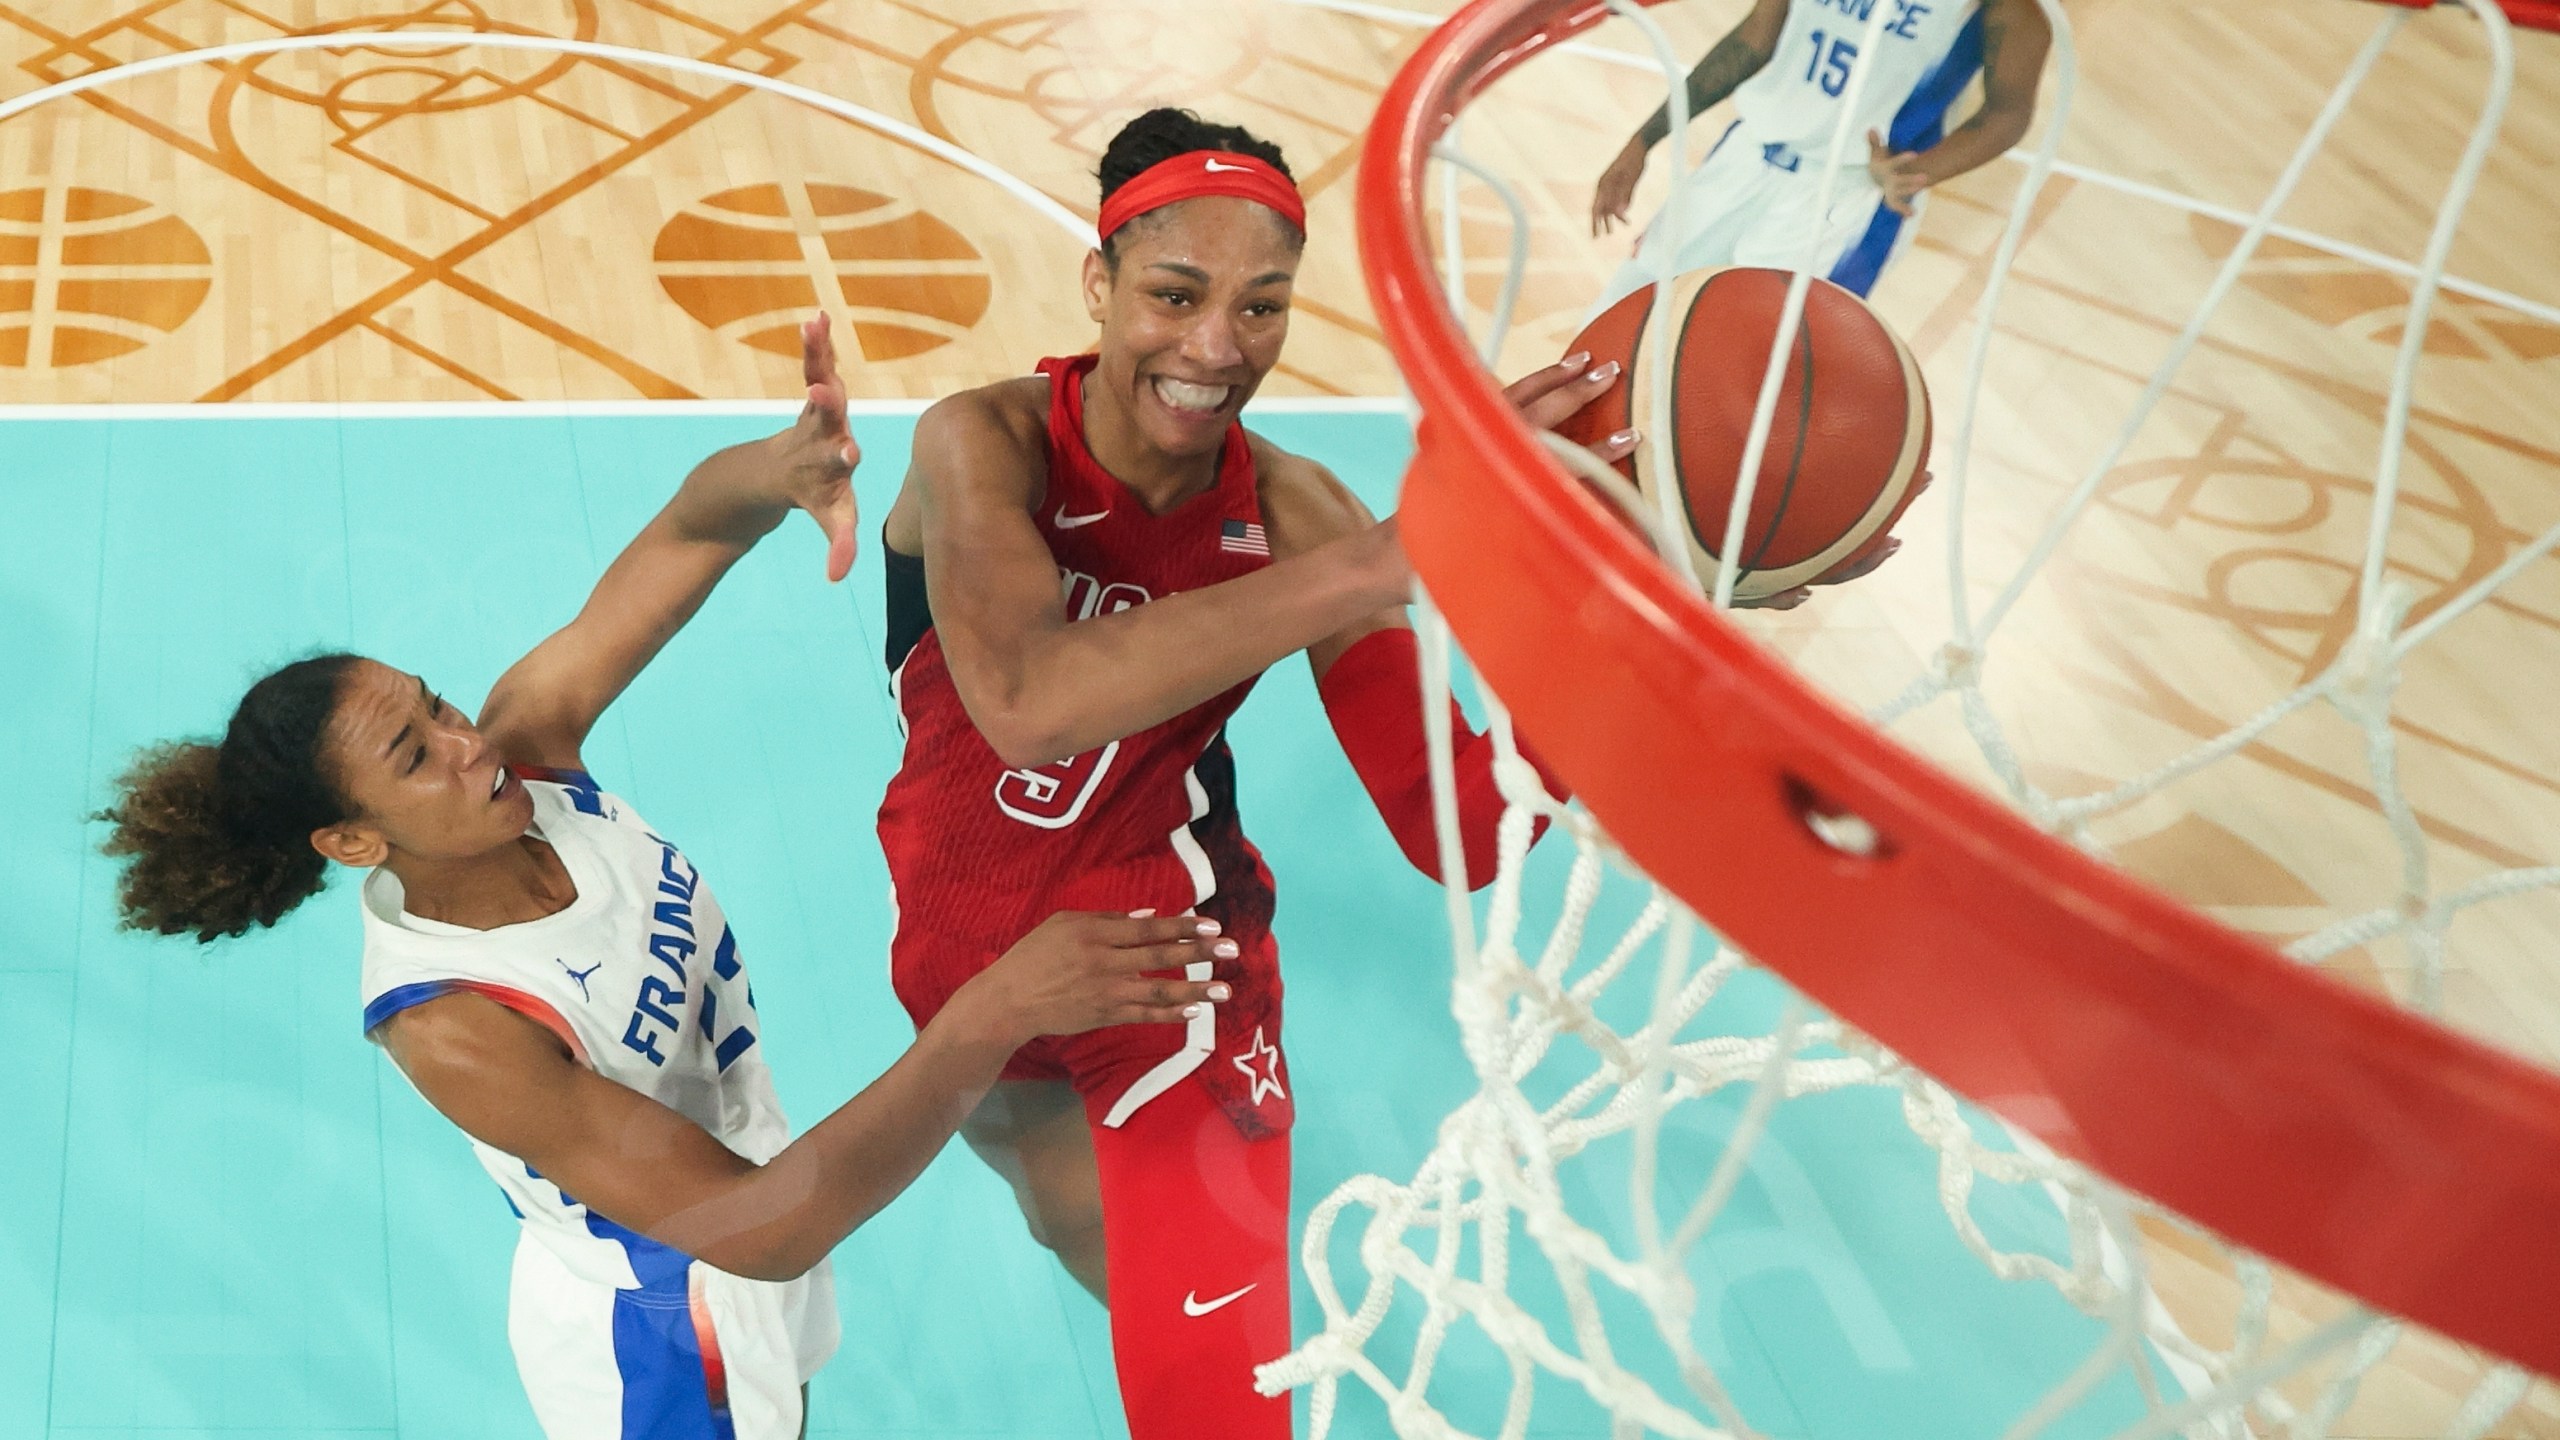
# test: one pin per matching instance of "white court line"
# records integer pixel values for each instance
(1039, 200)
(1281, 405)
(1075, 226)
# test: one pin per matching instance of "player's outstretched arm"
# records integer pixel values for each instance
(1736, 58)
(2015, 37)
(1041, 688)
(540, 711)
(1369, 673)
(512, 1085)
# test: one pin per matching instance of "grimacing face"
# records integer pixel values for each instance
(1194, 317)
(423, 780)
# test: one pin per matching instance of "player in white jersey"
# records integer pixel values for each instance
(557, 979)
(1787, 66)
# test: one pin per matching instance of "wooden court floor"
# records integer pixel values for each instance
(457, 225)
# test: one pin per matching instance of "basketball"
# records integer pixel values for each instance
(1846, 451)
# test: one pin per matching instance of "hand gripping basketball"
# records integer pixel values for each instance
(1847, 451)
(1547, 398)
(1551, 397)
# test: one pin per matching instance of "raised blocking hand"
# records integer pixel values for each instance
(817, 455)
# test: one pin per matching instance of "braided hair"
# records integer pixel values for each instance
(1161, 134)
(218, 836)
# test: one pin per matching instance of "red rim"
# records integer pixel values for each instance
(2358, 1143)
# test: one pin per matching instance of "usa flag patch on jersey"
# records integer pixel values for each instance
(1243, 537)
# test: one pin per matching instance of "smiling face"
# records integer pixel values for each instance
(423, 781)
(1193, 316)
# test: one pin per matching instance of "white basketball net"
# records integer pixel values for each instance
(1555, 1077)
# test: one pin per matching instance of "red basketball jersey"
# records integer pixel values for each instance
(980, 852)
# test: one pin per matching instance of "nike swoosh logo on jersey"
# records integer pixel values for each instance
(1215, 166)
(1195, 1307)
(1065, 521)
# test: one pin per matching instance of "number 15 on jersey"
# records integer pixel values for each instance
(1829, 64)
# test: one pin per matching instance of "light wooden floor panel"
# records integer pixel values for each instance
(474, 225)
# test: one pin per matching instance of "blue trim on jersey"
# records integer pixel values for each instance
(665, 1394)
(1729, 128)
(1918, 125)
(403, 997)
(660, 1268)
(1863, 262)
(584, 792)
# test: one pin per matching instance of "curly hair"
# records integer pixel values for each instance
(218, 835)
(1161, 134)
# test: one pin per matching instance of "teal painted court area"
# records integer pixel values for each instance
(222, 1213)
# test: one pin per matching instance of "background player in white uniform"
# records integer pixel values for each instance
(1787, 66)
(557, 979)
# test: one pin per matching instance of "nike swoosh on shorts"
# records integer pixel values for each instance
(1195, 1307)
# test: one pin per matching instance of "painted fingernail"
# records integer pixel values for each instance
(1191, 1012)
(1626, 437)
(1141, 914)
(1209, 927)
(1219, 992)
(1225, 950)
(1604, 374)
(1577, 359)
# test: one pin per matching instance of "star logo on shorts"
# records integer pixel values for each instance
(1261, 1065)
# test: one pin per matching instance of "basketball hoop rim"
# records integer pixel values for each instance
(2356, 1142)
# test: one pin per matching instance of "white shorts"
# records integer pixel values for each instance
(692, 1354)
(1750, 203)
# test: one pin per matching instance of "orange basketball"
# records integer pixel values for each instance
(1846, 453)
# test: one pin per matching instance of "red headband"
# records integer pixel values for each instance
(1197, 173)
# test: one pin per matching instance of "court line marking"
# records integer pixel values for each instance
(1075, 225)
(2022, 155)
(1039, 200)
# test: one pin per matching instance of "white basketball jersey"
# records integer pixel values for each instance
(1797, 100)
(639, 976)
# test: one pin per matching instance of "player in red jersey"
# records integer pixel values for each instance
(1088, 569)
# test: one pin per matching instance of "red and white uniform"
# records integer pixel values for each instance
(980, 853)
(1190, 1122)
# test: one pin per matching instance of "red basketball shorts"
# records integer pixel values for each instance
(1233, 1052)
(1190, 1137)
